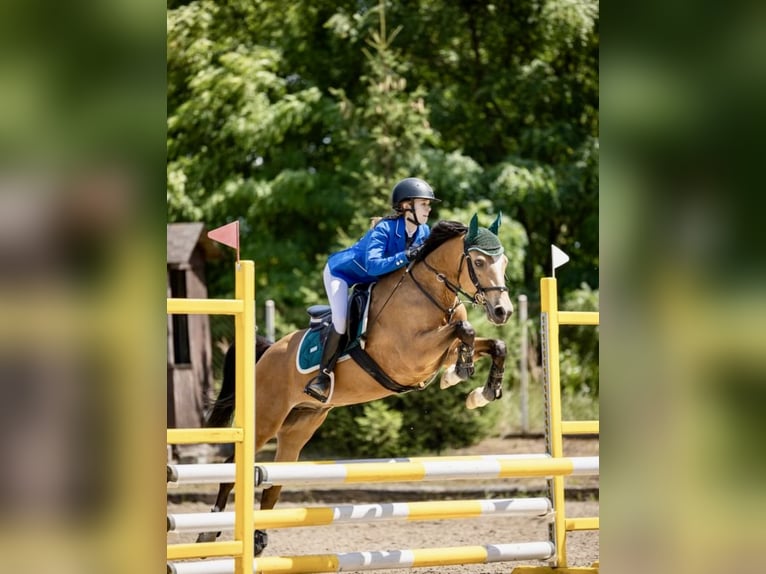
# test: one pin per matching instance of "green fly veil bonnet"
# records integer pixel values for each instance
(484, 239)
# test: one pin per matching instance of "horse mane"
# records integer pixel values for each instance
(441, 232)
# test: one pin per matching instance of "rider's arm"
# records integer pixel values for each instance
(377, 261)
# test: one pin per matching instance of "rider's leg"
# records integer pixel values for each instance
(320, 387)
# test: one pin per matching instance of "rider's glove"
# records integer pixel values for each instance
(412, 252)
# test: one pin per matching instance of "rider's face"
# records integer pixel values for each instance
(422, 208)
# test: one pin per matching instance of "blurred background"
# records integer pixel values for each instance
(82, 226)
(297, 118)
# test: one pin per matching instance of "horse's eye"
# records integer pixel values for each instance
(479, 262)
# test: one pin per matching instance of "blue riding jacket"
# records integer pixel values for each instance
(378, 252)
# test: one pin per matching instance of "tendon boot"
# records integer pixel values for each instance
(320, 387)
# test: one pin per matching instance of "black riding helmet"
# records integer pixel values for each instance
(411, 188)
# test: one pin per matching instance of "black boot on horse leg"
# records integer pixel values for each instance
(464, 365)
(320, 387)
(493, 388)
(467, 334)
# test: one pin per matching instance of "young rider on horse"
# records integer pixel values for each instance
(391, 243)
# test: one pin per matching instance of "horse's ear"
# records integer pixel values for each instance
(473, 229)
(496, 224)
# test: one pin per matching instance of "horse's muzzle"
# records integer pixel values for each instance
(499, 314)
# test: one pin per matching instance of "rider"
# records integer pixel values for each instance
(390, 244)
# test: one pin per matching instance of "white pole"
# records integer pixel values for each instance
(270, 319)
(524, 365)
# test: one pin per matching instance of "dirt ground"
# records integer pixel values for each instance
(582, 501)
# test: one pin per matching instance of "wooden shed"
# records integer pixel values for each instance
(190, 370)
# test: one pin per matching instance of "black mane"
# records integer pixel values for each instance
(440, 233)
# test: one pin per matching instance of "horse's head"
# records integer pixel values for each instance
(486, 263)
(480, 273)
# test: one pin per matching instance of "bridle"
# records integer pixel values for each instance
(478, 298)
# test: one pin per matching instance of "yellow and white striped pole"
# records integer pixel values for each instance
(377, 560)
(375, 512)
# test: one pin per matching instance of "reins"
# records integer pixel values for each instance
(448, 311)
(389, 296)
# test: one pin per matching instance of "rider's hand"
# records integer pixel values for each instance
(412, 252)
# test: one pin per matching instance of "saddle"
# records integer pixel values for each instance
(320, 320)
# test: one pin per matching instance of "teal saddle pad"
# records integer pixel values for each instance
(310, 351)
(310, 348)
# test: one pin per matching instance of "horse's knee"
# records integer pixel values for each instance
(500, 349)
(465, 331)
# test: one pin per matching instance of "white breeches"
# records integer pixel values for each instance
(337, 295)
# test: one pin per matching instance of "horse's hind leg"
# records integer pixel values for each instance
(296, 431)
(224, 489)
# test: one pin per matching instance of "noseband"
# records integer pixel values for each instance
(478, 298)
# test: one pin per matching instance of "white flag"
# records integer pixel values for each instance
(559, 258)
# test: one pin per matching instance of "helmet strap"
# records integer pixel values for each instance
(414, 218)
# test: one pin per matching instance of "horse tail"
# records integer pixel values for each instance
(223, 408)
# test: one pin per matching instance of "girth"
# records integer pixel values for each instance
(372, 368)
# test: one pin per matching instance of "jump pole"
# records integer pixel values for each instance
(432, 467)
(224, 472)
(358, 513)
(290, 474)
(377, 560)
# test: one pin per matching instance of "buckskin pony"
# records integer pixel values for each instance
(416, 325)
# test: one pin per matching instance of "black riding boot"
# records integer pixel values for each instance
(320, 386)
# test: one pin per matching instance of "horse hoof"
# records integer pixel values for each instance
(208, 536)
(476, 399)
(260, 541)
(449, 378)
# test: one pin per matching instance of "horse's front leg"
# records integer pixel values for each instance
(463, 367)
(493, 388)
(466, 334)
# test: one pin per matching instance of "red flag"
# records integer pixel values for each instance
(227, 234)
